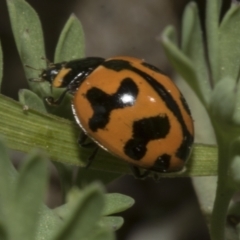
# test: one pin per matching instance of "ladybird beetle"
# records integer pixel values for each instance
(129, 108)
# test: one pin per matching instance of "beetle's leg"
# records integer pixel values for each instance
(137, 173)
(81, 141)
(82, 138)
(51, 101)
(91, 157)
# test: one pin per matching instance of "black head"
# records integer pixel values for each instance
(70, 74)
(50, 74)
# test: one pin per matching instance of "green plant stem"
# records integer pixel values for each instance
(24, 130)
(218, 219)
(225, 190)
(212, 15)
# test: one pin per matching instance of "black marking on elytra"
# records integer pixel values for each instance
(116, 65)
(184, 103)
(153, 68)
(103, 103)
(145, 130)
(184, 149)
(162, 163)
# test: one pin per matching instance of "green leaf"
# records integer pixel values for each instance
(25, 135)
(183, 65)
(47, 224)
(229, 33)
(71, 42)
(112, 222)
(235, 170)
(102, 234)
(29, 195)
(213, 9)
(223, 100)
(193, 47)
(225, 104)
(188, 23)
(83, 216)
(1, 66)
(21, 199)
(234, 158)
(7, 179)
(236, 114)
(29, 39)
(116, 202)
(31, 99)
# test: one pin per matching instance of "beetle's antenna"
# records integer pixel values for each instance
(37, 69)
(49, 63)
(34, 79)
